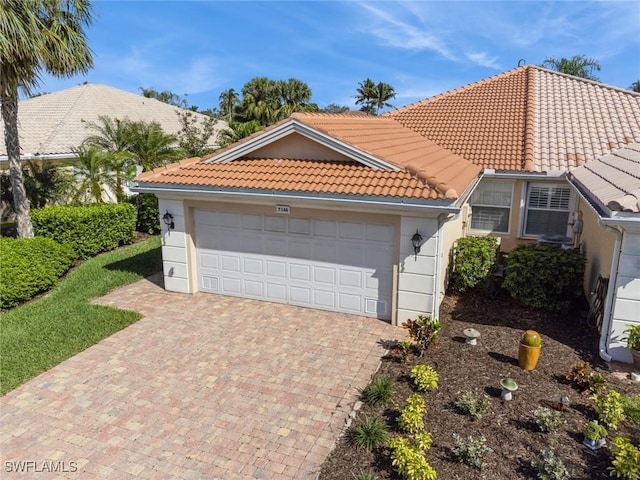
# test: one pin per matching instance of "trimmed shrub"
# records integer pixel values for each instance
(473, 259)
(90, 229)
(544, 276)
(146, 205)
(29, 266)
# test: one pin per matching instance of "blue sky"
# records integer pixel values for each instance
(201, 48)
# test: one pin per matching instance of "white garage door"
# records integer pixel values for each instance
(325, 264)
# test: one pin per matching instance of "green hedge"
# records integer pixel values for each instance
(473, 259)
(89, 229)
(30, 266)
(544, 276)
(148, 214)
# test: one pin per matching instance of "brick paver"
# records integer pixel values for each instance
(203, 386)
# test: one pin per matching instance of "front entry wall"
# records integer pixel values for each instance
(395, 283)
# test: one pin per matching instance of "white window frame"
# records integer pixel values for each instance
(524, 206)
(510, 208)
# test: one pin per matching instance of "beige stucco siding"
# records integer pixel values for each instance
(299, 147)
(452, 230)
(598, 244)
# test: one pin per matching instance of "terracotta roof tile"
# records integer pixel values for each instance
(613, 179)
(529, 119)
(314, 176)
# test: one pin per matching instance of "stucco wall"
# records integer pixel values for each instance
(174, 247)
(298, 147)
(597, 243)
(417, 273)
(626, 306)
(452, 230)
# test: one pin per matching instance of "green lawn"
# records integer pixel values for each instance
(44, 332)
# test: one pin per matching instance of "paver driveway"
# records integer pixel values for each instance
(203, 386)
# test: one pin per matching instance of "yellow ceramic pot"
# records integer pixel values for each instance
(528, 357)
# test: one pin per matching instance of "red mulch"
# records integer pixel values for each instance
(508, 426)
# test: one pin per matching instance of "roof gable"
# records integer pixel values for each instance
(53, 123)
(378, 153)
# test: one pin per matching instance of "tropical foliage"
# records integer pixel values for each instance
(374, 96)
(36, 37)
(578, 66)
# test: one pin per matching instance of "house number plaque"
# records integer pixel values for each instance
(283, 209)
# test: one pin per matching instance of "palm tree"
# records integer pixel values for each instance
(36, 36)
(229, 100)
(150, 146)
(635, 86)
(45, 183)
(238, 131)
(578, 66)
(261, 100)
(383, 92)
(92, 174)
(113, 136)
(366, 94)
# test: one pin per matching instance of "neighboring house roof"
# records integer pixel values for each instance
(408, 165)
(613, 180)
(528, 119)
(53, 123)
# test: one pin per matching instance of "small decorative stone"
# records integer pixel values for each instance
(635, 376)
(472, 335)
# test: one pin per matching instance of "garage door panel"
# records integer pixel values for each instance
(275, 246)
(325, 275)
(251, 222)
(318, 263)
(253, 289)
(379, 233)
(349, 255)
(299, 249)
(231, 286)
(299, 271)
(276, 269)
(252, 266)
(324, 299)
(350, 230)
(209, 260)
(349, 302)
(276, 292)
(275, 224)
(324, 252)
(300, 226)
(229, 263)
(229, 220)
(325, 228)
(350, 278)
(300, 295)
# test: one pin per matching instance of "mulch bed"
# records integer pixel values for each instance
(508, 426)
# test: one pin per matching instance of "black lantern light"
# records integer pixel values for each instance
(167, 218)
(415, 241)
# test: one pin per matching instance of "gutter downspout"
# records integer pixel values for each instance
(608, 307)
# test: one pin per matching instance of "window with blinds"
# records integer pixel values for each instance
(491, 207)
(548, 209)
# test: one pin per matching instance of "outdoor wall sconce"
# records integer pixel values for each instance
(167, 218)
(415, 241)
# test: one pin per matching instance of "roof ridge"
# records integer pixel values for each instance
(586, 80)
(528, 163)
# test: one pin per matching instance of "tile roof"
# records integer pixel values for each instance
(613, 179)
(419, 167)
(286, 175)
(528, 119)
(55, 122)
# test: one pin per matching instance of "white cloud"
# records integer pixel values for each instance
(483, 59)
